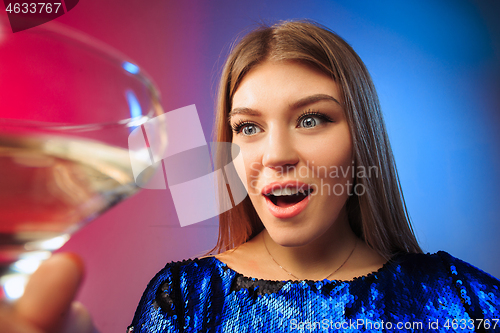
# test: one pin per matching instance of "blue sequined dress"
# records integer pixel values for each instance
(412, 292)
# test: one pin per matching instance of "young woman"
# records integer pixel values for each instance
(323, 240)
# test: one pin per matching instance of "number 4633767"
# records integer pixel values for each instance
(33, 7)
(471, 324)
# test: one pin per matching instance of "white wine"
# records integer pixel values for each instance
(51, 185)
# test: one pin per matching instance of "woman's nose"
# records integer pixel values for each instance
(280, 150)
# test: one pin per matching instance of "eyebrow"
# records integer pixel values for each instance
(295, 105)
(313, 99)
(244, 111)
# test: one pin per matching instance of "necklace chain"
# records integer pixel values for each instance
(296, 278)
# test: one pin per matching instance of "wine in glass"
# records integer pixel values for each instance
(68, 105)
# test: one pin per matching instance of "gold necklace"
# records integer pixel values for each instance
(296, 278)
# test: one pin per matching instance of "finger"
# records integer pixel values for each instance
(50, 291)
(78, 320)
(9, 324)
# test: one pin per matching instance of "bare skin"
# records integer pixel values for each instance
(288, 121)
(252, 260)
(47, 305)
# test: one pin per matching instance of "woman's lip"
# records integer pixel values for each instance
(286, 184)
(288, 212)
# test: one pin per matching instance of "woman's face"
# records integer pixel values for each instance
(288, 120)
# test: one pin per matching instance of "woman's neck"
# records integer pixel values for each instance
(337, 251)
(317, 260)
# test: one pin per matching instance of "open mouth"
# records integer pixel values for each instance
(288, 196)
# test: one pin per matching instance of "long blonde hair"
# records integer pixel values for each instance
(379, 216)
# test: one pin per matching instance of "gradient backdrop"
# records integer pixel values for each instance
(436, 65)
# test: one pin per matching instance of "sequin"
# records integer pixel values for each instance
(410, 293)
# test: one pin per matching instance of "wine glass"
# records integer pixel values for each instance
(68, 105)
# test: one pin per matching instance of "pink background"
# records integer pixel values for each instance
(125, 248)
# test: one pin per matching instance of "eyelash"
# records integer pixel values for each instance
(309, 113)
(238, 126)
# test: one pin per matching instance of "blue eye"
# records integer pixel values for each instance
(310, 119)
(308, 122)
(249, 130)
(246, 128)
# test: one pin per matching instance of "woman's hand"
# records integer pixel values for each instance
(47, 305)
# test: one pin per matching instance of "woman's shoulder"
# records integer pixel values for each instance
(440, 264)
(443, 263)
(176, 285)
(190, 270)
(459, 267)
(470, 279)
(445, 274)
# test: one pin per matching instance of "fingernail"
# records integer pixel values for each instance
(76, 259)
